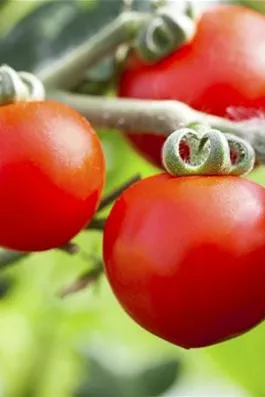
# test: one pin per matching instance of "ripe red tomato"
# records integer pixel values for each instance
(51, 174)
(185, 256)
(223, 67)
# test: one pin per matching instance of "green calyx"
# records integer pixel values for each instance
(205, 151)
(167, 30)
(19, 86)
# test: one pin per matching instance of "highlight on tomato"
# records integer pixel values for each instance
(220, 72)
(184, 250)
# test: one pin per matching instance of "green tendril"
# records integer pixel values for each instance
(210, 152)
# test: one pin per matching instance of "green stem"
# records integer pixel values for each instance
(96, 224)
(157, 117)
(69, 248)
(8, 258)
(91, 276)
(99, 223)
(109, 198)
(160, 117)
(69, 71)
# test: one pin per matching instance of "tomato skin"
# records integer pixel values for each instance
(51, 175)
(185, 256)
(222, 67)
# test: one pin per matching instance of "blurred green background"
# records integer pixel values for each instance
(85, 345)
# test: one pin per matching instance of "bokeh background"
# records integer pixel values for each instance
(85, 345)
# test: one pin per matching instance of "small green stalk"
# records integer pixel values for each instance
(154, 36)
(9, 258)
(160, 117)
(69, 71)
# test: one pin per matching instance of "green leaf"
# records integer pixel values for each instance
(258, 5)
(6, 284)
(151, 382)
(157, 379)
(100, 382)
(11, 11)
(98, 79)
(52, 30)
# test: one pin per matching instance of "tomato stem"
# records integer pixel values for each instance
(70, 248)
(109, 198)
(160, 117)
(69, 71)
(155, 35)
(97, 224)
(9, 258)
(91, 276)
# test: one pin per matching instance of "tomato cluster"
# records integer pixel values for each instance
(220, 72)
(183, 254)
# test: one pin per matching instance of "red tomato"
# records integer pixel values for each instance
(223, 67)
(185, 256)
(51, 175)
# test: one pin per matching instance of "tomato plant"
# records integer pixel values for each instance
(52, 174)
(222, 68)
(185, 255)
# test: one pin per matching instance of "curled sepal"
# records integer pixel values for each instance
(19, 86)
(242, 155)
(209, 152)
(167, 30)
